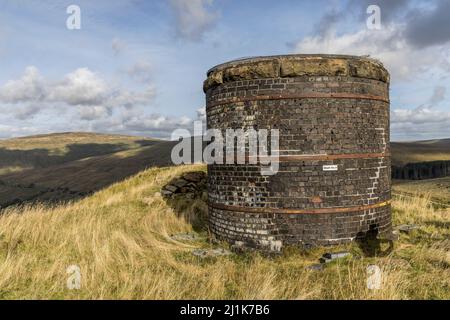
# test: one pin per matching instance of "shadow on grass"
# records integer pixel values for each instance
(43, 158)
(83, 170)
(371, 244)
(194, 211)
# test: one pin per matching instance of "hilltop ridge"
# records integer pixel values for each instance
(70, 165)
(420, 151)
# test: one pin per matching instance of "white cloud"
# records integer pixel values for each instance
(154, 125)
(129, 99)
(423, 122)
(81, 87)
(30, 87)
(93, 112)
(419, 124)
(107, 108)
(7, 131)
(193, 18)
(86, 90)
(157, 122)
(387, 45)
(420, 115)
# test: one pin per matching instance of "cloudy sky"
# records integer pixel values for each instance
(137, 66)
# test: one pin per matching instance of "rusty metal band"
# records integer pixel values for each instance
(293, 158)
(299, 96)
(299, 211)
(287, 158)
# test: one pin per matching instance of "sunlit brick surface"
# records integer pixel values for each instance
(324, 106)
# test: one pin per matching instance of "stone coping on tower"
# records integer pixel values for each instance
(296, 65)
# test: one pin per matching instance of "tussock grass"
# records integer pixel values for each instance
(437, 189)
(120, 239)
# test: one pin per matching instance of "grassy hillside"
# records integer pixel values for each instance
(43, 151)
(436, 189)
(58, 142)
(120, 238)
(420, 151)
(68, 166)
(62, 167)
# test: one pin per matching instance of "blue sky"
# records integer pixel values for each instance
(137, 67)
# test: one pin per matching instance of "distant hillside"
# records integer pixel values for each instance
(68, 166)
(55, 141)
(59, 167)
(43, 151)
(420, 151)
(419, 160)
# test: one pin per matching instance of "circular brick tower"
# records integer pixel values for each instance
(333, 182)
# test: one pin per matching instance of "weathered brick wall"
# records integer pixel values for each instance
(330, 110)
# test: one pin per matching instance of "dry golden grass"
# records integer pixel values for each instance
(120, 238)
(42, 151)
(438, 189)
(57, 143)
(12, 169)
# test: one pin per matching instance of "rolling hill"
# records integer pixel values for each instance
(60, 167)
(420, 151)
(67, 166)
(420, 160)
(43, 151)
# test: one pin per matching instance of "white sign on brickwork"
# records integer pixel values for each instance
(330, 167)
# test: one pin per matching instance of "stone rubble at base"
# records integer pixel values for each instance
(191, 184)
(207, 253)
(186, 237)
(407, 228)
(329, 257)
